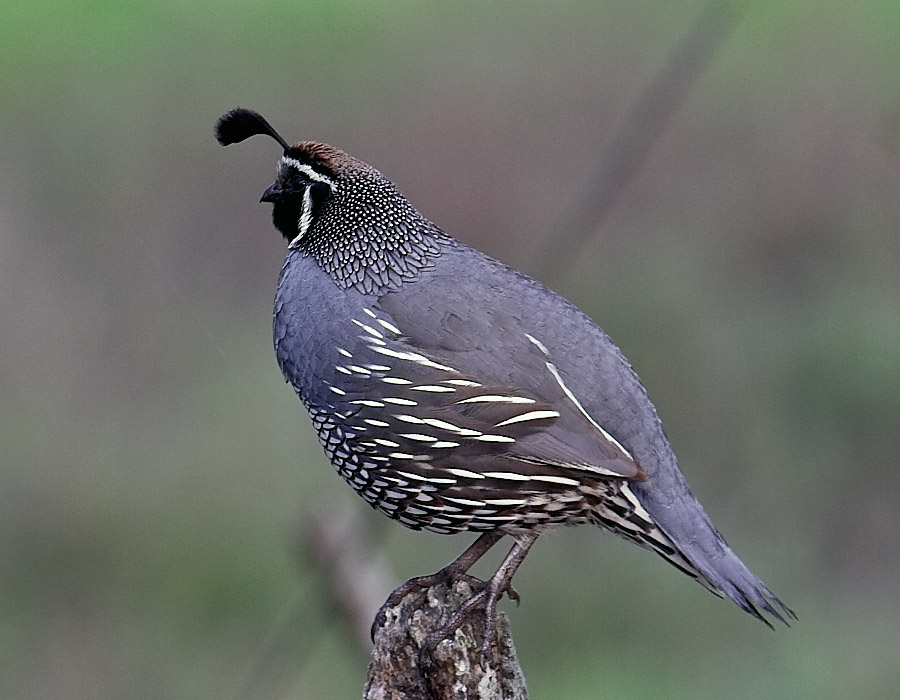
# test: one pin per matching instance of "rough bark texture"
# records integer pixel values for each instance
(453, 669)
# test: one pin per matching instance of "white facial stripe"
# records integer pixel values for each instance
(307, 170)
(305, 220)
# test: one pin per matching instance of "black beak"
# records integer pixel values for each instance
(272, 193)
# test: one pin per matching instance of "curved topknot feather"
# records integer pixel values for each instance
(240, 124)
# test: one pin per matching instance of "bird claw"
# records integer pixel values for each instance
(484, 599)
(422, 583)
(483, 602)
(419, 583)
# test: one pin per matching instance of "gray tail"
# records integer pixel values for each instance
(713, 566)
(724, 573)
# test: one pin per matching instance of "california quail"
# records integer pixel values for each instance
(456, 394)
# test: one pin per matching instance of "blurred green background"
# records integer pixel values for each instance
(159, 480)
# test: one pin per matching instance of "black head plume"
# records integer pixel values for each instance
(240, 124)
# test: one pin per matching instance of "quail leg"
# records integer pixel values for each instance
(455, 570)
(486, 601)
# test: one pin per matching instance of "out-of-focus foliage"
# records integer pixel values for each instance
(155, 473)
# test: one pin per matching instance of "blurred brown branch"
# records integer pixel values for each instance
(623, 156)
(355, 573)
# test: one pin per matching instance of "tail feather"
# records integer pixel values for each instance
(716, 568)
(732, 577)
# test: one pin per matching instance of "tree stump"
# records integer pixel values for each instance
(453, 669)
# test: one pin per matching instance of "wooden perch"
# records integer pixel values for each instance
(452, 670)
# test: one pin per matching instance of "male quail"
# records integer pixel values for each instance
(456, 394)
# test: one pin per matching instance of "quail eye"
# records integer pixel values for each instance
(296, 185)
